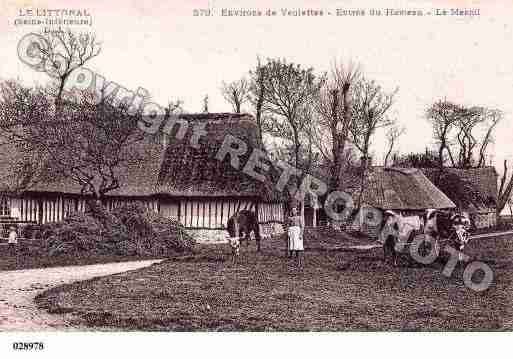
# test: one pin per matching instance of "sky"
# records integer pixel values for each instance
(162, 47)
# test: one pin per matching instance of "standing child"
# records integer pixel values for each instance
(295, 234)
(13, 239)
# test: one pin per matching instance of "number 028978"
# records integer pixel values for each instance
(28, 346)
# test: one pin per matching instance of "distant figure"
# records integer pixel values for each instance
(13, 239)
(295, 236)
(241, 224)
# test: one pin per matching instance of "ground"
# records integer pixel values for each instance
(18, 312)
(337, 290)
(40, 260)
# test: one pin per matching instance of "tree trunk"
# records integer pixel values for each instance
(346, 119)
(94, 206)
(388, 153)
(505, 189)
(303, 212)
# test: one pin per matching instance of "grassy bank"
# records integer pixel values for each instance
(33, 261)
(335, 291)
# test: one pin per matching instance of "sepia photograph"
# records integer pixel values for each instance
(267, 178)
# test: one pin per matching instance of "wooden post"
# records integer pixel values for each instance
(302, 211)
(314, 220)
(40, 212)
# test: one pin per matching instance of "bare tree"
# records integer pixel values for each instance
(370, 106)
(236, 93)
(505, 190)
(288, 92)
(473, 123)
(174, 107)
(333, 107)
(468, 130)
(256, 96)
(466, 140)
(205, 104)
(87, 141)
(18, 107)
(64, 52)
(444, 117)
(393, 133)
(492, 118)
(510, 206)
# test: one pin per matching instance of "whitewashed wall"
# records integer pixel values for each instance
(192, 213)
(270, 212)
(214, 213)
(203, 213)
(56, 208)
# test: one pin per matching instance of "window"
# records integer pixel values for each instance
(5, 206)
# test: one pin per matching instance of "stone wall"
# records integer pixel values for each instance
(219, 235)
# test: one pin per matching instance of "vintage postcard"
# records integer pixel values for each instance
(271, 167)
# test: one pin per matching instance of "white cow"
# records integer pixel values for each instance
(397, 231)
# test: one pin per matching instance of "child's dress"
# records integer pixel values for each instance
(294, 232)
(13, 237)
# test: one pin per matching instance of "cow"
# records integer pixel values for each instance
(455, 227)
(242, 224)
(396, 232)
(389, 232)
(235, 248)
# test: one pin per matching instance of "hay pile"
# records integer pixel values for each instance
(129, 230)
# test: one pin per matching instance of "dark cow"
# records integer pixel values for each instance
(241, 224)
(443, 225)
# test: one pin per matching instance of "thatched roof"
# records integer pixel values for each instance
(473, 189)
(138, 177)
(177, 169)
(190, 171)
(401, 189)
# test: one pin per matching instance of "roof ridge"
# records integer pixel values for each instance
(403, 170)
(213, 116)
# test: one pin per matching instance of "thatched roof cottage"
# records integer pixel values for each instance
(404, 190)
(473, 190)
(169, 176)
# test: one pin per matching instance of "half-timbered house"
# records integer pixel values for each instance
(174, 174)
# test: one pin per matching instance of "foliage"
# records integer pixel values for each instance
(87, 140)
(333, 107)
(127, 230)
(236, 93)
(427, 159)
(462, 134)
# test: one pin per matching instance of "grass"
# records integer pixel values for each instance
(349, 290)
(29, 256)
(31, 262)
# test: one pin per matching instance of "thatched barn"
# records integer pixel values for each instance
(203, 191)
(473, 190)
(171, 175)
(404, 190)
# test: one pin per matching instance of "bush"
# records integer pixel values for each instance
(128, 230)
(32, 231)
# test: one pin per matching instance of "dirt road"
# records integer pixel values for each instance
(18, 289)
